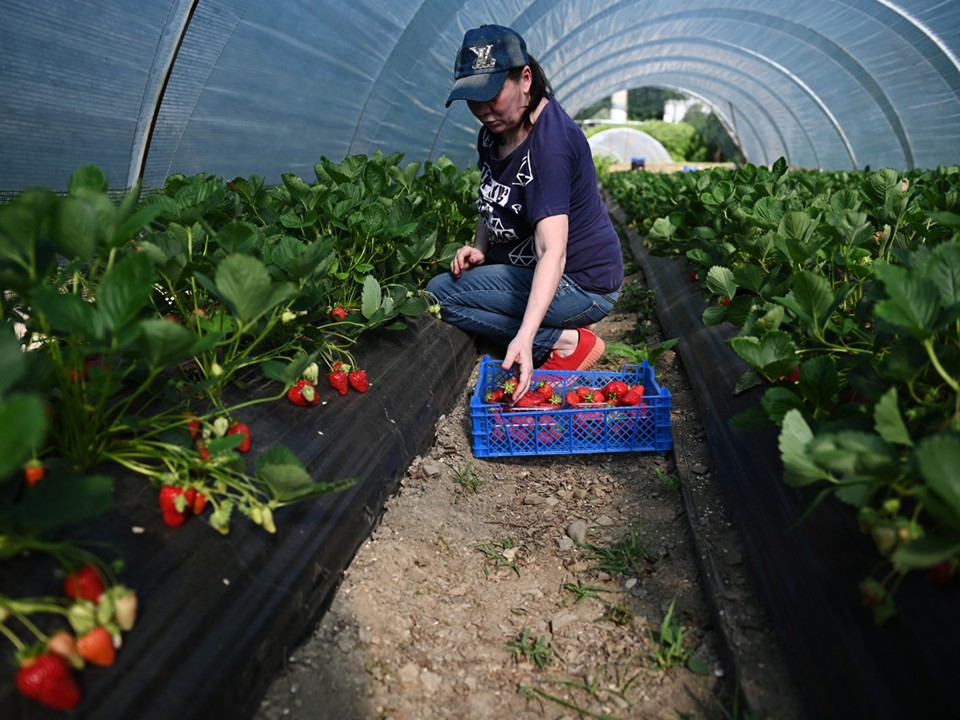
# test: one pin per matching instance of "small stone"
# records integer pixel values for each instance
(700, 469)
(577, 531)
(565, 543)
(431, 468)
(532, 499)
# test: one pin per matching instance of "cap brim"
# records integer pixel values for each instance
(480, 87)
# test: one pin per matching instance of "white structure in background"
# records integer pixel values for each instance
(618, 106)
(626, 145)
(675, 111)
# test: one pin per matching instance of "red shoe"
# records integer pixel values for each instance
(589, 349)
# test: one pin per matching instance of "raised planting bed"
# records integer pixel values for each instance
(808, 572)
(219, 614)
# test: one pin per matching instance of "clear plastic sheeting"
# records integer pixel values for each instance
(146, 88)
(626, 145)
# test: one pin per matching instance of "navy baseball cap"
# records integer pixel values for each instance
(487, 54)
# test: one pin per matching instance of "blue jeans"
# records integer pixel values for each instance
(490, 300)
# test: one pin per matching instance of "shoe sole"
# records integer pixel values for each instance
(596, 352)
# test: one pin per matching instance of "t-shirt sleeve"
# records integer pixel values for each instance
(552, 163)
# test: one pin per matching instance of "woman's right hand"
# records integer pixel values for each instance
(466, 258)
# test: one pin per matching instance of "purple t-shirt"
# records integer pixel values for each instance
(550, 173)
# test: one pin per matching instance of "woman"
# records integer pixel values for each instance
(546, 261)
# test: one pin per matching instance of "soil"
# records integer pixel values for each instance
(479, 594)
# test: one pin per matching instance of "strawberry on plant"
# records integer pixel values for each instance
(358, 380)
(198, 503)
(125, 609)
(338, 313)
(47, 679)
(303, 393)
(193, 424)
(64, 644)
(244, 430)
(311, 373)
(337, 378)
(172, 515)
(33, 472)
(96, 647)
(942, 573)
(84, 584)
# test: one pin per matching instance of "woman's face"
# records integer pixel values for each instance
(504, 112)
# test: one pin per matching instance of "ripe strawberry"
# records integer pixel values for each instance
(198, 503)
(303, 393)
(96, 646)
(724, 301)
(84, 584)
(572, 399)
(244, 430)
(338, 313)
(338, 380)
(555, 400)
(615, 388)
(545, 388)
(631, 397)
(941, 573)
(528, 400)
(33, 472)
(508, 386)
(193, 424)
(168, 506)
(519, 429)
(47, 679)
(358, 380)
(493, 396)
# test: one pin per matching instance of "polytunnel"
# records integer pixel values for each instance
(148, 89)
(244, 87)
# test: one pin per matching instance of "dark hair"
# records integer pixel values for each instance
(539, 87)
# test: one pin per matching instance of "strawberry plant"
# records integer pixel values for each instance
(843, 288)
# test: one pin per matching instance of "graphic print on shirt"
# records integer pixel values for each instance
(497, 212)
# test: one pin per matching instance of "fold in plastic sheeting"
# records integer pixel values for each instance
(625, 144)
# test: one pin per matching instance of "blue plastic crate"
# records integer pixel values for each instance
(499, 432)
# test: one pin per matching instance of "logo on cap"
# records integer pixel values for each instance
(485, 59)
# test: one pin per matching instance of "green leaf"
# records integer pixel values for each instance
(924, 552)
(775, 354)
(370, 299)
(23, 423)
(943, 269)
(287, 373)
(284, 475)
(913, 303)
(68, 313)
(777, 401)
(888, 422)
(124, 290)
(811, 299)
(939, 460)
(244, 283)
(855, 455)
(164, 343)
(63, 499)
(795, 436)
(819, 380)
(73, 228)
(720, 281)
(12, 360)
(796, 226)
(87, 177)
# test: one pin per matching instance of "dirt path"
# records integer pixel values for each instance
(481, 594)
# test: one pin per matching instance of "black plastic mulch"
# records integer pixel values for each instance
(844, 665)
(219, 614)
